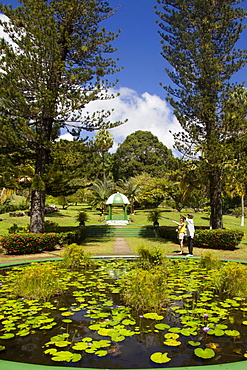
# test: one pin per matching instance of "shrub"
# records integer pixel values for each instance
(150, 256)
(75, 257)
(146, 290)
(82, 217)
(28, 243)
(51, 226)
(231, 279)
(218, 239)
(38, 281)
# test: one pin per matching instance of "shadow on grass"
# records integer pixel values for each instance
(56, 215)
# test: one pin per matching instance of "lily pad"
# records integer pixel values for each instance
(160, 358)
(204, 353)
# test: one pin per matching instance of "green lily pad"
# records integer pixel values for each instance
(7, 336)
(232, 333)
(153, 316)
(172, 342)
(101, 353)
(161, 326)
(160, 358)
(204, 353)
(194, 344)
(63, 356)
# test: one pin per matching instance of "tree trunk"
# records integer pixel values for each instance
(37, 214)
(215, 199)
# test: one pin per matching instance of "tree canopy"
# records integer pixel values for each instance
(141, 152)
(198, 40)
(55, 64)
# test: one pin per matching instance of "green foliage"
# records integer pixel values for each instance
(154, 216)
(226, 239)
(203, 58)
(10, 207)
(28, 243)
(75, 257)
(209, 261)
(150, 256)
(146, 290)
(51, 226)
(231, 279)
(141, 152)
(218, 239)
(15, 229)
(38, 281)
(82, 217)
(77, 236)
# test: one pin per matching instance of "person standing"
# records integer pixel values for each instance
(190, 233)
(181, 232)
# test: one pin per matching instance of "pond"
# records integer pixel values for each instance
(92, 324)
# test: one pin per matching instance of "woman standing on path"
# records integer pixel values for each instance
(181, 232)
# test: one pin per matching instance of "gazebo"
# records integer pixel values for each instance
(116, 200)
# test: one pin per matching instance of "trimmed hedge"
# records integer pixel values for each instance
(29, 243)
(204, 237)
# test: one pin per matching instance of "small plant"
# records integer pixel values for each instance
(209, 261)
(150, 256)
(82, 217)
(51, 226)
(146, 290)
(38, 281)
(154, 217)
(75, 257)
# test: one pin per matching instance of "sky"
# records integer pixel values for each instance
(142, 99)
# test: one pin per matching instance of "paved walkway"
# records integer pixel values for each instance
(121, 247)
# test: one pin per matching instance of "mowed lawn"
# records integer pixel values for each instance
(66, 219)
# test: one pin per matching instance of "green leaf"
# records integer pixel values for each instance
(160, 358)
(204, 353)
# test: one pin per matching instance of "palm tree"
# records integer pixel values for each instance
(131, 188)
(100, 192)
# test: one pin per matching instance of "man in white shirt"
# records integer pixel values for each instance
(190, 228)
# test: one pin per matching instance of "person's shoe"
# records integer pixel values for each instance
(189, 255)
(180, 252)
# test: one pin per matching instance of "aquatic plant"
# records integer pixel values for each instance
(146, 289)
(37, 281)
(75, 257)
(150, 256)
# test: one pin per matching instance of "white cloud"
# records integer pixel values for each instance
(146, 112)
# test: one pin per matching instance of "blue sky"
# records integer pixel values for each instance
(142, 99)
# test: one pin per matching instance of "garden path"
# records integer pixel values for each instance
(121, 247)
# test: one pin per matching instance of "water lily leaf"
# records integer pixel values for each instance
(153, 316)
(171, 335)
(204, 353)
(67, 313)
(7, 336)
(50, 351)
(194, 344)
(63, 356)
(67, 321)
(186, 332)
(128, 322)
(23, 333)
(172, 342)
(160, 358)
(80, 346)
(244, 322)
(161, 326)
(2, 348)
(101, 353)
(76, 357)
(232, 333)
(218, 332)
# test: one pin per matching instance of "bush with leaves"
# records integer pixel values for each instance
(75, 257)
(29, 243)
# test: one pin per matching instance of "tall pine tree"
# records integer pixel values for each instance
(198, 40)
(54, 64)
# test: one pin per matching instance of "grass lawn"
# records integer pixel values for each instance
(66, 218)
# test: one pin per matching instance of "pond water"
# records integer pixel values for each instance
(89, 326)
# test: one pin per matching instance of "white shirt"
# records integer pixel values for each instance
(190, 227)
